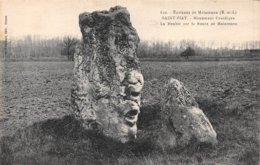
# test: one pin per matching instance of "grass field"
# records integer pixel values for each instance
(36, 125)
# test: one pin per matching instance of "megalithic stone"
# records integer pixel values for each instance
(107, 74)
(184, 119)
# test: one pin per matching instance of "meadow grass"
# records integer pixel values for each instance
(37, 126)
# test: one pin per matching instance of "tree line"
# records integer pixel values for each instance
(186, 48)
(63, 48)
(39, 48)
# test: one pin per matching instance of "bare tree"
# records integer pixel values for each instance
(69, 44)
(188, 52)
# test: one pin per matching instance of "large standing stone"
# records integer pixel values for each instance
(108, 82)
(182, 117)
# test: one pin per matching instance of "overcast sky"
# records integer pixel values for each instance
(52, 18)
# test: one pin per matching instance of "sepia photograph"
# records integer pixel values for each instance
(129, 82)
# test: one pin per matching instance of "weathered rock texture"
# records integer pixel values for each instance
(108, 81)
(184, 120)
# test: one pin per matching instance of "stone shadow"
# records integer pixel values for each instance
(64, 141)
